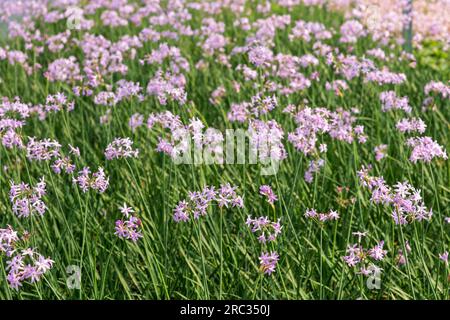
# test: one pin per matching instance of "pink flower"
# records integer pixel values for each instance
(268, 262)
(444, 257)
(121, 148)
(380, 152)
(268, 231)
(425, 149)
(268, 192)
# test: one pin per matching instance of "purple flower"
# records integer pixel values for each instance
(268, 192)
(197, 203)
(390, 101)
(321, 217)
(313, 167)
(444, 257)
(358, 255)
(136, 121)
(42, 150)
(405, 200)
(351, 30)
(438, 88)
(26, 200)
(411, 125)
(311, 123)
(377, 252)
(425, 149)
(27, 265)
(260, 56)
(268, 231)
(8, 237)
(64, 70)
(96, 181)
(268, 262)
(121, 148)
(380, 151)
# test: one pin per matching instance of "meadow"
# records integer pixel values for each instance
(102, 98)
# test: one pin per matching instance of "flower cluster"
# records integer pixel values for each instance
(351, 30)
(7, 239)
(380, 151)
(95, 181)
(358, 255)
(268, 262)
(268, 230)
(267, 191)
(439, 88)
(27, 266)
(64, 70)
(444, 257)
(266, 140)
(406, 201)
(130, 228)
(312, 122)
(27, 200)
(41, 150)
(321, 217)
(411, 125)
(197, 203)
(313, 167)
(121, 148)
(425, 149)
(390, 101)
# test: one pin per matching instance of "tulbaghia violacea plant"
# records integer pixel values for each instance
(267, 191)
(405, 201)
(313, 122)
(444, 257)
(390, 101)
(8, 237)
(27, 266)
(313, 167)
(266, 230)
(12, 118)
(266, 141)
(26, 200)
(197, 203)
(380, 151)
(384, 76)
(168, 87)
(358, 256)
(58, 102)
(425, 149)
(63, 164)
(438, 88)
(63, 70)
(268, 262)
(96, 181)
(23, 265)
(321, 217)
(121, 148)
(129, 228)
(9, 136)
(337, 86)
(41, 150)
(406, 125)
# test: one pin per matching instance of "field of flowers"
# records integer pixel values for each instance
(228, 149)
